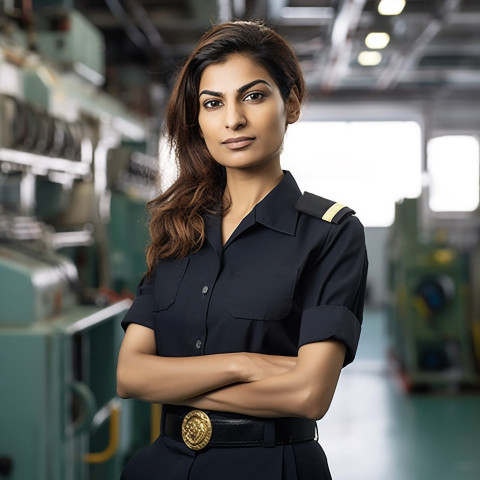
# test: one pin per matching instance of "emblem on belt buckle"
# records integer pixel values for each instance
(196, 430)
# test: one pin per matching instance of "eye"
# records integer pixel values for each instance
(212, 104)
(254, 97)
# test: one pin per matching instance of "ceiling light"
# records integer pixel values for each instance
(391, 7)
(323, 13)
(369, 59)
(377, 40)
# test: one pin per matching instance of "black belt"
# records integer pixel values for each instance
(197, 429)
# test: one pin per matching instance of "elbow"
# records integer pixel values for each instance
(123, 390)
(315, 412)
(314, 404)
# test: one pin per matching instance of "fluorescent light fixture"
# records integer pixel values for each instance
(377, 40)
(391, 7)
(369, 59)
(319, 13)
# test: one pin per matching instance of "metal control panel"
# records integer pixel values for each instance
(35, 287)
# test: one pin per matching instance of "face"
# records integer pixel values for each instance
(242, 116)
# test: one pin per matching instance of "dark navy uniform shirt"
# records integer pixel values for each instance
(286, 277)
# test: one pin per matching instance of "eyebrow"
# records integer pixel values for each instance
(241, 89)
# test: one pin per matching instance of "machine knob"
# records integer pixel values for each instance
(6, 466)
(436, 292)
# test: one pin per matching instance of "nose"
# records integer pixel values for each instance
(234, 117)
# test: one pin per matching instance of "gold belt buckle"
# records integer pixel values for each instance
(196, 430)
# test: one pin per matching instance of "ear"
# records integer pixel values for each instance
(293, 106)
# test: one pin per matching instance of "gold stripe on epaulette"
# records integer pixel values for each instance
(332, 211)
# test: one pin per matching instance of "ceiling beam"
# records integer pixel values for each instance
(162, 19)
(345, 23)
(402, 62)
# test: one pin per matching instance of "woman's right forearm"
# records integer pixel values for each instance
(173, 379)
(144, 375)
(157, 379)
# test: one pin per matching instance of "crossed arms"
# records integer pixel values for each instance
(245, 383)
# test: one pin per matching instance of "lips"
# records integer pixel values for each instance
(238, 142)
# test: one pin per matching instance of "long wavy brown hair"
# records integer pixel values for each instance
(177, 215)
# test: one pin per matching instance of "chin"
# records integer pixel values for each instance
(244, 164)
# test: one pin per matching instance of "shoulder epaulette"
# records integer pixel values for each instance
(323, 208)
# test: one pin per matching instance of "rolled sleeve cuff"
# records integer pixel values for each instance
(327, 322)
(140, 312)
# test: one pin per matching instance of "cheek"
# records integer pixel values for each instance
(206, 135)
(205, 128)
(279, 113)
(278, 123)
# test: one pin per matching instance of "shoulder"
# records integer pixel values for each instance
(323, 208)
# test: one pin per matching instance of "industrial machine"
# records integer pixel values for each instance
(430, 318)
(60, 417)
(75, 172)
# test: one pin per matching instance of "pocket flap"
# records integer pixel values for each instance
(168, 275)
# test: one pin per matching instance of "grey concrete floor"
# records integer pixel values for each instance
(376, 431)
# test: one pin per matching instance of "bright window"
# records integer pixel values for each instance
(453, 166)
(365, 165)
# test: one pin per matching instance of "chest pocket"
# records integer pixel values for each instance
(168, 275)
(261, 295)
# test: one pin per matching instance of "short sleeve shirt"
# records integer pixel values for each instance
(283, 279)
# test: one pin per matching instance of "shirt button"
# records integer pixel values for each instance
(205, 290)
(198, 344)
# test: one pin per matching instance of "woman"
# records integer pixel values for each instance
(253, 298)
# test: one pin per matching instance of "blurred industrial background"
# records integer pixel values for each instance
(391, 128)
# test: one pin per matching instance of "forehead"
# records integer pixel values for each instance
(236, 71)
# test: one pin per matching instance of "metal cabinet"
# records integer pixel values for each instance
(60, 418)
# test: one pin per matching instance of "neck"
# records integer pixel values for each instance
(246, 187)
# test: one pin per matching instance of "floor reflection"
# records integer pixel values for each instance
(374, 431)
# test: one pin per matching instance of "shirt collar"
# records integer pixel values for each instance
(277, 210)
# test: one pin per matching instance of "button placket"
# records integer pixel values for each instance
(207, 275)
(199, 342)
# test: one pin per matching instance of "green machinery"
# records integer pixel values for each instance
(72, 163)
(60, 417)
(131, 175)
(431, 326)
